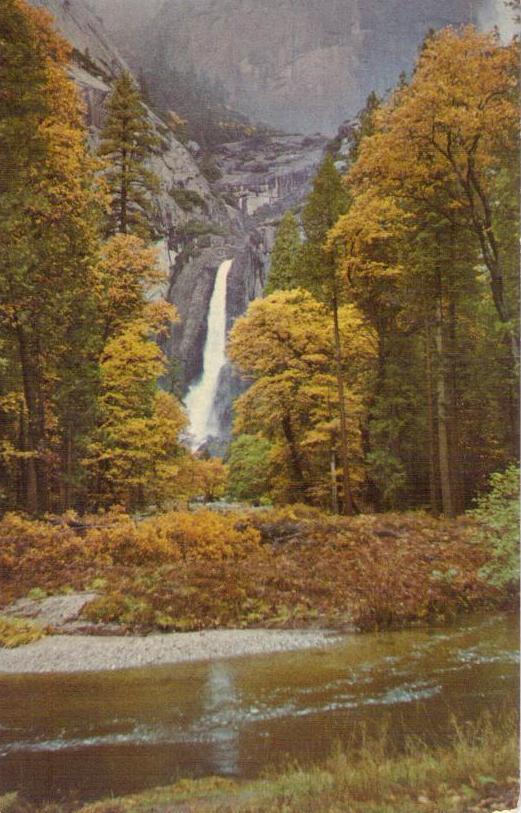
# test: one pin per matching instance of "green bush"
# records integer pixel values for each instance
(250, 468)
(498, 514)
(188, 199)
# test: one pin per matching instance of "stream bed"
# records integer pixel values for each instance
(97, 734)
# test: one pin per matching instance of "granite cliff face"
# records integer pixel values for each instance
(260, 179)
(299, 65)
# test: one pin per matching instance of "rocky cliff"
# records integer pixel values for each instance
(300, 65)
(261, 178)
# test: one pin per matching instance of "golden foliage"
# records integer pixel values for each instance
(285, 343)
(126, 267)
(15, 632)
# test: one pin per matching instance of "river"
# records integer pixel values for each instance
(101, 733)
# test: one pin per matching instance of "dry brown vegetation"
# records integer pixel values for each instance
(279, 568)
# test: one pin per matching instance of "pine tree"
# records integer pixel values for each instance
(127, 143)
(284, 255)
(365, 124)
(318, 272)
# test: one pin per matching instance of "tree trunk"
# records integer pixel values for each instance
(347, 503)
(372, 492)
(21, 474)
(434, 479)
(513, 419)
(295, 456)
(481, 215)
(453, 414)
(66, 474)
(123, 214)
(484, 226)
(37, 486)
(334, 483)
(447, 497)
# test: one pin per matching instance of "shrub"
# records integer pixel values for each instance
(249, 468)
(16, 632)
(38, 549)
(277, 568)
(45, 552)
(188, 199)
(207, 535)
(498, 514)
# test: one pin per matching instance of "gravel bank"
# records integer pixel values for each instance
(81, 653)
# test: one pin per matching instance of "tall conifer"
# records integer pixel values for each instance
(127, 143)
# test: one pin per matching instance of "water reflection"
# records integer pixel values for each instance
(221, 705)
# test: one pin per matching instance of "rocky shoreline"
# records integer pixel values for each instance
(91, 653)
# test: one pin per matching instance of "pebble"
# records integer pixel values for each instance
(91, 653)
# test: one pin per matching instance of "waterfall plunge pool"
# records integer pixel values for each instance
(99, 734)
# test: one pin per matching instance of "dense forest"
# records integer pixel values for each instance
(389, 341)
(383, 360)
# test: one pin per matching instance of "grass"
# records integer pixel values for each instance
(476, 772)
(16, 632)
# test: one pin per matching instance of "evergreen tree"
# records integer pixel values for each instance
(284, 255)
(127, 143)
(365, 125)
(318, 272)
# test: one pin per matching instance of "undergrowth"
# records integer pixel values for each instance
(498, 515)
(16, 632)
(281, 568)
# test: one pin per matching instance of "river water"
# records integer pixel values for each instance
(119, 732)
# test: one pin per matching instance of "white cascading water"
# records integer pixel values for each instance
(200, 398)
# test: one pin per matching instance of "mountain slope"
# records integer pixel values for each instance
(301, 66)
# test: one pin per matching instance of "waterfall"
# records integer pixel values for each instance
(200, 398)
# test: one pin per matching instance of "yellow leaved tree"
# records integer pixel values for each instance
(285, 344)
(135, 455)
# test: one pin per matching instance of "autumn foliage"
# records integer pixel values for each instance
(413, 401)
(282, 568)
(83, 421)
